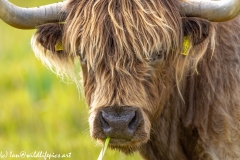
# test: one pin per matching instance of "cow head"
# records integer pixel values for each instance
(130, 54)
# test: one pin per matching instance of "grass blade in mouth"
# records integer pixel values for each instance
(104, 148)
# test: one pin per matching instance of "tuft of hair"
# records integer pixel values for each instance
(47, 46)
(133, 28)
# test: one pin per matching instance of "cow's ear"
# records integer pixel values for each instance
(50, 36)
(196, 28)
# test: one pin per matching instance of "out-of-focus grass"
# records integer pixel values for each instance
(38, 112)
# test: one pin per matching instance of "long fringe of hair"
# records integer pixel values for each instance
(95, 28)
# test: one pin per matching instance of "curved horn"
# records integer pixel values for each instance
(213, 10)
(29, 18)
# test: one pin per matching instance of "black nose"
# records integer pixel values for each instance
(119, 122)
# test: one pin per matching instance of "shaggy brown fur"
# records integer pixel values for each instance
(130, 53)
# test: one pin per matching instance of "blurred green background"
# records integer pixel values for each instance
(39, 112)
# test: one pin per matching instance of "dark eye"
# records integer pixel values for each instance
(157, 56)
(82, 59)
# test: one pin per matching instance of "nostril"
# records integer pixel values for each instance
(104, 121)
(133, 123)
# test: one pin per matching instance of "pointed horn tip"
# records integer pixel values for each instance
(29, 18)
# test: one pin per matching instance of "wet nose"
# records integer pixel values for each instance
(119, 122)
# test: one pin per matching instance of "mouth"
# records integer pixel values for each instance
(127, 127)
(124, 145)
